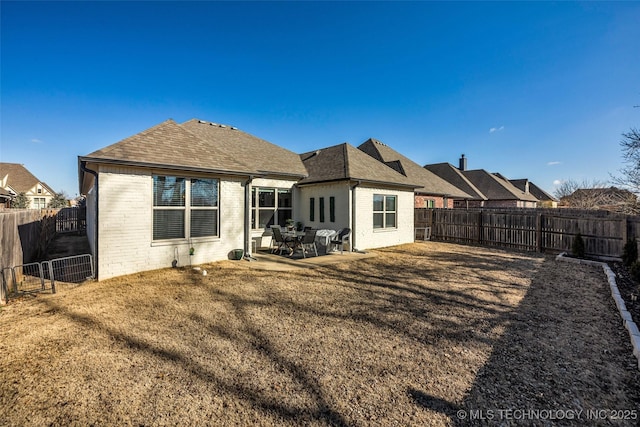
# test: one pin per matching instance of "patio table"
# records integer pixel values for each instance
(323, 237)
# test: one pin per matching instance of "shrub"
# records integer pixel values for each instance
(577, 247)
(630, 252)
(634, 270)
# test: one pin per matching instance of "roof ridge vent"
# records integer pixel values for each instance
(213, 124)
(223, 126)
(234, 128)
(202, 121)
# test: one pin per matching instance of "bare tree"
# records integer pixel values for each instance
(630, 178)
(569, 187)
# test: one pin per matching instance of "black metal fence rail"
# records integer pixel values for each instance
(42, 276)
(71, 220)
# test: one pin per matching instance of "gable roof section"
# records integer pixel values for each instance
(256, 153)
(495, 187)
(430, 182)
(168, 145)
(536, 191)
(345, 162)
(19, 178)
(201, 146)
(453, 175)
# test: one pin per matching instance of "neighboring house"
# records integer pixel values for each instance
(5, 198)
(545, 200)
(16, 179)
(611, 199)
(500, 193)
(434, 192)
(487, 189)
(454, 175)
(348, 188)
(175, 189)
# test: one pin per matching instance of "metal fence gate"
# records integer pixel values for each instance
(42, 276)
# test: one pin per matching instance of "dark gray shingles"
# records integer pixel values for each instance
(257, 153)
(345, 162)
(453, 175)
(169, 144)
(430, 182)
(496, 188)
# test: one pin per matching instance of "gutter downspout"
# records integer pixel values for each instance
(353, 216)
(247, 219)
(95, 174)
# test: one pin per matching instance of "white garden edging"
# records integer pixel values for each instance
(627, 321)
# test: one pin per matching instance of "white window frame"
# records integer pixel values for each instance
(256, 208)
(187, 209)
(385, 211)
(39, 202)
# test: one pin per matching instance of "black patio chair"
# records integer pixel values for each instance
(280, 242)
(309, 241)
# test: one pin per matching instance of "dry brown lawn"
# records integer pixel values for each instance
(410, 337)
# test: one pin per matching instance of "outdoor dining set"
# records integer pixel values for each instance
(307, 240)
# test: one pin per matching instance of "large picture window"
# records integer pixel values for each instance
(184, 207)
(270, 206)
(384, 211)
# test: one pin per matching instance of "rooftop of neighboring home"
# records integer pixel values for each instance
(536, 191)
(430, 182)
(479, 183)
(16, 177)
(452, 174)
(496, 187)
(346, 162)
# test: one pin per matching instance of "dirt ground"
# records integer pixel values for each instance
(426, 334)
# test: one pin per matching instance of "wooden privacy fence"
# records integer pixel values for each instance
(539, 230)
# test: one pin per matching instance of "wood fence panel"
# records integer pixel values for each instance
(24, 234)
(540, 230)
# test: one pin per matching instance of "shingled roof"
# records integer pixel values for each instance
(452, 174)
(257, 153)
(495, 187)
(19, 179)
(346, 162)
(430, 182)
(536, 191)
(201, 146)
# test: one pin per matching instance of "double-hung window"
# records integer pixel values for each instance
(384, 211)
(184, 207)
(270, 206)
(39, 203)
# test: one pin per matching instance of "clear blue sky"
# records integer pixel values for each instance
(531, 90)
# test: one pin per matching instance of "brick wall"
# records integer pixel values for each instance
(125, 225)
(366, 236)
(423, 201)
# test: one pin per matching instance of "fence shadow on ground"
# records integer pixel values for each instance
(555, 361)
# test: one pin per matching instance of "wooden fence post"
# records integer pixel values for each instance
(539, 232)
(480, 226)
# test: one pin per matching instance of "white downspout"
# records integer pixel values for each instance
(247, 219)
(353, 216)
